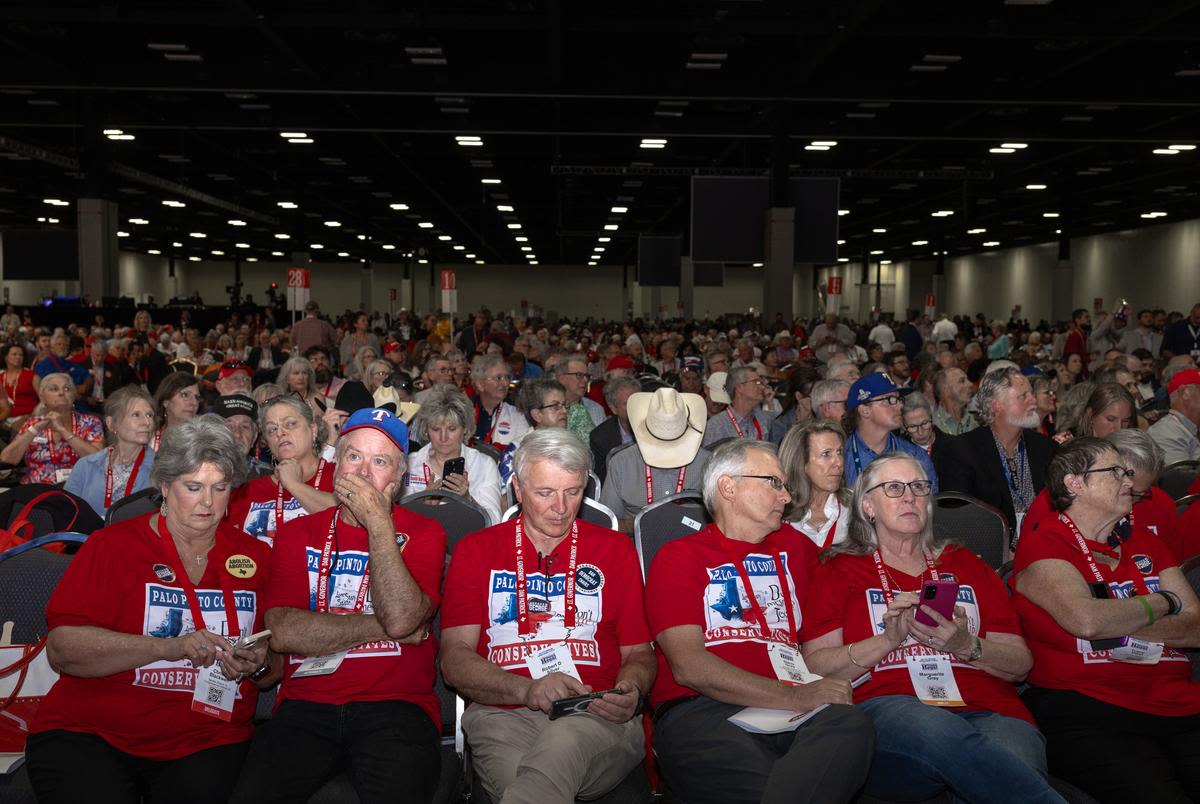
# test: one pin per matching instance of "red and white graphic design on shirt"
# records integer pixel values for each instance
(729, 615)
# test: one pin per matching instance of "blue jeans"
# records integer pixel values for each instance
(922, 751)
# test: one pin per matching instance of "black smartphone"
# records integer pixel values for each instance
(1100, 591)
(454, 466)
(575, 705)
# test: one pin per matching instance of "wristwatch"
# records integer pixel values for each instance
(977, 651)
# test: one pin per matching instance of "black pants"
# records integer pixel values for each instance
(705, 758)
(389, 749)
(1117, 754)
(72, 767)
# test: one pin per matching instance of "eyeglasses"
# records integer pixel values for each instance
(887, 400)
(925, 425)
(895, 488)
(552, 406)
(775, 483)
(504, 378)
(1119, 472)
(380, 373)
(580, 374)
(756, 381)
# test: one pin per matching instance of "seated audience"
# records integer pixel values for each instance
(1176, 431)
(615, 430)
(56, 436)
(177, 400)
(20, 386)
(873, 416)
(497, 421)
(110, 475)
(744, 418)
(813, 456)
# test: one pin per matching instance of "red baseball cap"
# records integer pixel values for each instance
(388, 348)
(620, 362)
(232, 367)
(1182, 378)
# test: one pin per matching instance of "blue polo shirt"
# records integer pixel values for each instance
(859, 456)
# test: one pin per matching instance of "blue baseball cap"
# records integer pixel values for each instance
(382, 420)
(872, 386)
(1032, 371)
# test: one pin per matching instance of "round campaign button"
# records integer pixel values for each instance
(241, 566)
(589, 578)
(402, 540)
(164, 573)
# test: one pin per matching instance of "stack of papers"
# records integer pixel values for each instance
(758, 720)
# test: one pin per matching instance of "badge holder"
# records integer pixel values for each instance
(933, 680)
(1137, 651)
(320, 665)
(551, 659)
(789, 665)
(215, 692)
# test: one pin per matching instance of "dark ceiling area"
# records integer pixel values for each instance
(505, 132)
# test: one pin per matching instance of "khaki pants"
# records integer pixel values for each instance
(523, 757)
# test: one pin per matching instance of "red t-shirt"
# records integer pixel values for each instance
(1183, 537)
(374, 671)
(1192, 489)
(609, 612)
(693, 581)
(1156, 514)
(846, 594)
(1063, 661)
(253, 505)
(117, 582)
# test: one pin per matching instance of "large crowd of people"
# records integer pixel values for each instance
(814, 641)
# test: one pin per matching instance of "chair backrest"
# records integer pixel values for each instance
(28, 576)
(669, 518)
(592, 490)
(488, 450)
(1182, 503)
(1191, 571)
(457, 515)
(1178, 477)
(143, 502)
(713, 446)
(971, 523)
(591, 511)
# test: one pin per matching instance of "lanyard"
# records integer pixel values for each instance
(1015, 483)
(784, 587)
(1139, 582)
(316, 484)
(524, 626)
(741, 433)
(326, 569)
(833, 524)
(887, 591)
(60, 456)
(12, 389)
(189, 589)
(108, 479)
(157, 439)
(494, 418)
(888, 447)
(650, 483)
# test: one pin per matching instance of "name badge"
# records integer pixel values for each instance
(554, 659)
(320, 665)
(214, 693)
(933, 680)
(789, 665)
(1138, 651)
(61, 475)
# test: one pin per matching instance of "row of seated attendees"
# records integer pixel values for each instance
(806, 590)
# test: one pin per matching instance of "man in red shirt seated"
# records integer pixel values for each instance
(352, 593)
(725, 608)
(542, 608)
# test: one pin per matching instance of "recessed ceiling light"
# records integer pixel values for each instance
(816, 147)
(122, 234)
(920, 242)
(598, 249)
(885, 262)
(1002, 150)
(479, 262)
(241, 245)
(504, 208)
(841, 242)
(879, 231)
(603, 239)
(174, 204)
(991, 243)
(533, 262)
(976, 231)
(316, 245)
(1166, 151)
(591, 262)
(514, 226)
(252, 259)
(287, 205)
(276, 253)
(611, 227)
(388, 247)
(197, 234)
(526, 248)
(153, 251)
(1154, 214)
(236, 222)
(521, 239)
(942, 213)
(193, 259)
(1182, 147)
(469, 256)
(177, 245)
(460, 248)
(139, 221)
(399, 207)
(1014, 145)
(343, 253)
(301, 141)
(653, 144)
(293, 135)
(825, 143)
(425, 225)
(333, 224)
(489, 181)
(218, 253)
(619, 210)
(1050, 215)
(843, 212)
(845, 259)
(445, 238)
(282, 236)
(1035, 187)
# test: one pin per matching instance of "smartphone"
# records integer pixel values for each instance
(575, 705)
(454, 466)
(252, 640)
(940, 597)
(1101, 591)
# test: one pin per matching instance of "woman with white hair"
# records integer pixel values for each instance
(296, 375)
(947, 716)
(445, 423)
(56, 436)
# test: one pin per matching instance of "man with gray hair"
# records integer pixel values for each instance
(497, 422)
(615, 430)
(724, 608)
(1176, 432)
(1003, 462)
(583, 414)
(743, 418)
(829, 399)
(542, 608)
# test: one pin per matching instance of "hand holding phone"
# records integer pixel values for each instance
(577, 704)
(939, 596)
(454, 466)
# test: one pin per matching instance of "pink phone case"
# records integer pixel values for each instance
(940, 597)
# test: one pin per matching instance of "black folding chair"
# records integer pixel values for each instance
(1191, 571)
(488, 450)
(1182, 503)
(1177, 478)
(459, 516)
(143, 502)
(979, 527)
(591, 511)
(673, 516)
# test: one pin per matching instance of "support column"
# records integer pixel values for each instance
(365, 280)
(779, 268)
(687, 279)
(628, 294)
(803, 298)
(1062, 298)
(939, 283)
(97, 221)
(656, 296)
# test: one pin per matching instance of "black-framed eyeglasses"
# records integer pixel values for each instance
(925, 425)
(552, 406)
(581, 374)
(1119, 472)
(504, 378)
(887, 400)
(895, 488)
(776, 484)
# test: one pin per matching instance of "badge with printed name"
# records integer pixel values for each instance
(1138, 651)
(933, 680)
(241, 566)
(552, 659)
(61, 475)
(320, 665)
(215, 693)
(789, 665)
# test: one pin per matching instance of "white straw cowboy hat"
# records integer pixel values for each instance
(668, 426)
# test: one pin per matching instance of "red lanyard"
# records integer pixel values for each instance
(524, 626)
(326, 569)
(189, 589)
(108, 478)
(12, 389)
(650, 483)
(495, 419)
(887, 591)
(60, 456)
(157, 440)
(784, 587)
(741, 433)
(833, 525)
(316, 484)
(1139, 582)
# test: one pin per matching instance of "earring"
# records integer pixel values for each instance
(870, 517)
(162, 509)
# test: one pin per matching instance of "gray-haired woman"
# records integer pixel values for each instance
(444, 423)
(145, 630)
(941, 693)
(296, 376)
(302, 482)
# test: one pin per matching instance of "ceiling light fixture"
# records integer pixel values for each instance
(1035, 187)
(991, 244)
(879, 231)
(1017, 146)
(287, 205)
(920, 242)
(236, 222)
(489, 181)
(293, 135)
(619, 210)
(174, 204)
(399, 207)
(976, 231)
(333, 224)
(611, 227)
(652, 143)
(425, 225)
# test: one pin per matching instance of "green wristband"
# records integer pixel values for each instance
(1149, 608)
